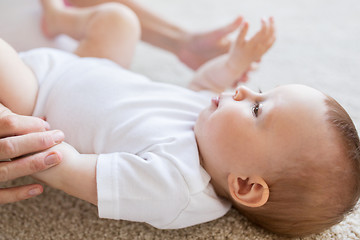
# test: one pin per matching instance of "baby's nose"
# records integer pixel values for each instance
(226, 95)
(243, 92)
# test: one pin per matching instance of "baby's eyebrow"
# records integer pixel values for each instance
(268, 114)
(266, 120)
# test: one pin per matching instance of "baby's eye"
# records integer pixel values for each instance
(255, 109)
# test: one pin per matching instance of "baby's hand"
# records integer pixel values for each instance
(53, 176)
(244, 52)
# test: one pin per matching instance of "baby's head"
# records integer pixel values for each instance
(288, 159)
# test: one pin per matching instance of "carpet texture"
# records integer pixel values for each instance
(318, 44)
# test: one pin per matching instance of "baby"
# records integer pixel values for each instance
(288, 159)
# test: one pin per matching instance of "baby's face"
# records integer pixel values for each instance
(253, 132)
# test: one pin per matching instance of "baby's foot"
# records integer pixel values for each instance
(67, 3)
(81, 3)
(51, 10)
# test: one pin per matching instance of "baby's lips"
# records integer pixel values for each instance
(215, 101)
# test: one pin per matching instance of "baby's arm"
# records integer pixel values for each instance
(75, 175)
(18, 84)
(226, 70)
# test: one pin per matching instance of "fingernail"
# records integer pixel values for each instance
(34, 191)
(58, 136)
(51, 159)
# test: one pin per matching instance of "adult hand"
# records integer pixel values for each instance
(199, 48)
(22, 138)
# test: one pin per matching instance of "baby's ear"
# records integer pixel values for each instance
(248, 191)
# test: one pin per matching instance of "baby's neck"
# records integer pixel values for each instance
(220, 191)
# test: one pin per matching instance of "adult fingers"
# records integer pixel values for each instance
(12, 124)
(12, 147)
(28, 165)
(14, 194)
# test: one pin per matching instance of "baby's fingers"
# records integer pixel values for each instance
(271, 26)
(266, 34)
(267, 28)
(260, 36)
(241, 37)
(272, 29)
(270, 35)
(264, 27)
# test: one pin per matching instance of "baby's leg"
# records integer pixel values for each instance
(18, 84)
(109, 30)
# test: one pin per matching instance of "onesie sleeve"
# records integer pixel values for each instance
(144, 188)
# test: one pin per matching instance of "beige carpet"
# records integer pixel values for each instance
(318, 44)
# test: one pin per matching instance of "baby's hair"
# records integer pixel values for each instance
(349, 138)
(309, 198)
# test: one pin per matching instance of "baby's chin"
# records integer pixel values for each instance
(201, 120)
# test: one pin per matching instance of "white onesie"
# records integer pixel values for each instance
(148, 167)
